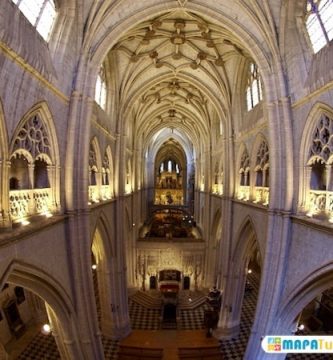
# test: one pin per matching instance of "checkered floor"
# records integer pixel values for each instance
(44, 347)
(41, 347)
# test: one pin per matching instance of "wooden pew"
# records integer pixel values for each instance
(200, 353)
(139, 353)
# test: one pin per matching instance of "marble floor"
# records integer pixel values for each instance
(145, 323)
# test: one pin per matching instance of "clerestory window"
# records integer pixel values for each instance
(319, 22)
(40, 13)
(254, 89)
(100, 89)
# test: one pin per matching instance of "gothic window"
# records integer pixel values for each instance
(244, 170)
(100, 90)
(40, 13)
(92, 166)
(320, 154)
(262, 165)
(31, 148)
(19, 172)
(33, 137)
(319, 22)
(106, 170)
(254, 89)
(169, 166)
(40, 174)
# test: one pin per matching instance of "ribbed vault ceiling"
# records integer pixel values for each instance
(173, 73)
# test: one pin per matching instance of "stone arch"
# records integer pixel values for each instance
(51, 291)
(216, 234)
(95, 145)
(243, 173)
(4, 185)
(315, 113)
(302, 294)
(4, 135)
(35, 139)
(246, 242)
(40, 109)
(103, 275)
(260, 169)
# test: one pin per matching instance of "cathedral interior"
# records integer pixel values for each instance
(166, 166)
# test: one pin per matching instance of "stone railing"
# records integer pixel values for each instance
(217, 189)
(261, 195)
(321, 203)
(24, 203)
(106, 193)
(99, 193)
(93, 194)
(244, 193)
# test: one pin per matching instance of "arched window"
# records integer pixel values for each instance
(244, 170)
(320, 159)
(169, 166)
(100, 90)
(40, 13)
(254, 89)
(319, 22)
(262, 165)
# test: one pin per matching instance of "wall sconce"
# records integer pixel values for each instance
(249, 271)
(94, 266)
(46, 329)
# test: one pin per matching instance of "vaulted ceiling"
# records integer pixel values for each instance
(176, 71)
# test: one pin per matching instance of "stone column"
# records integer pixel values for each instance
(5, 221)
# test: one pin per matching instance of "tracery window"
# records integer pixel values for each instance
(319, 22)
(100, 90)
(244, 170)
(261, 191)
(320, 159)
(254, 88)
(92, 166)
(244, 177)
(262, 165)
(32, 171)
(40, 13)
(106, 190)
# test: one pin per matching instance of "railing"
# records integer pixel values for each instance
(261, 195)
(217, 189)
(244, 193)
(99, 193)
(106, 193)
(321, 202)
(24, 203)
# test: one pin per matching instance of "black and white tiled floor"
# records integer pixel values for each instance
(44, 347)
(41, 347)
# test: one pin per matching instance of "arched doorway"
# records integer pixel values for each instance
(34, 296)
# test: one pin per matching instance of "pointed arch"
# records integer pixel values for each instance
(50, 144)
(56, 297)
(319, 110)
(247, 240)
(4, 135)
(105, 245)
(95, 146)
(4, 184)
(302, 294)
(35, 142)
(243, 177)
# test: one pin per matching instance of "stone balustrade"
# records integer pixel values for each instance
(24, 203)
